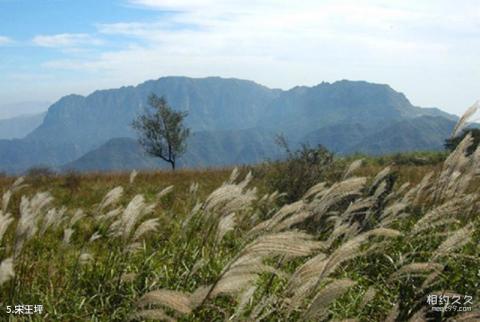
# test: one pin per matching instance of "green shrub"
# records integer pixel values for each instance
(300, 170)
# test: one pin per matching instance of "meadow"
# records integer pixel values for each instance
(374, 241)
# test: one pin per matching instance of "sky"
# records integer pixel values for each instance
(429, 49)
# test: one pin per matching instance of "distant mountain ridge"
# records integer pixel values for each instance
(234, 121)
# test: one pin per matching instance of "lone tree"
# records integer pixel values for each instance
(161, 130)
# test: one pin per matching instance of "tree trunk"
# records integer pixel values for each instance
(172, 163)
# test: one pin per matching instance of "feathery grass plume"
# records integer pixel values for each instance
(154, 314)
(391, 212)
(230, 197)
(109, 215)
(368, 296)
(473, 316)
(245, 299)
(128, 277)
(447, 222)
(414, 194)
(281, 214)
(6, 200)
(147, 226)
(350, 249)
(416, 269)
(31, 212)
(243, 270)
(77, 216)
(193, 189)
(317, 190)
(381, 176)
(96, 235)
(448, 209)
(335, 194)
(52, 219)
(265, 305)
(456, 164)
(393, 313)
(5, 221)
(462, 122)
(178, 301)
(111, 198)
(6, 270)
(85, 258)
(233, 176)
(164, 192)
(304, 280)
(133, 175)
(354, 166)
(67, 235)
(457, 239)
(419, 316)
(431, 279)
(360, 206)
(131, 215)
(226, 224)
(327, 295)
(7, 195)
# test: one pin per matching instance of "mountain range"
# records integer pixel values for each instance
(233, 121)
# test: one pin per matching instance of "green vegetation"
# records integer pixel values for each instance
(211, 246)
(452, 143)
(161, 131)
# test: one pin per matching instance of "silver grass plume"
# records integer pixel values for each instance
(67, 235)
(6, 270)
(164, 192)
(226, 224)
(393, 313)
(31, 212)
(416, 269)
(327, 295)
(149, 225)
(111, 198)
(336, 193)
(457, 239)
(352, 168)
(230, 197)
(5, 221)
(462, 122)
(448, 209)
(133, 175)
(96, 235)
(182, 302)
(77, 216)
(85, 258)
(153, 314)
(52, 219)
(131, 215)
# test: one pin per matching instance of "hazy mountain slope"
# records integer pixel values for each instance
(20, 126)
(305, 109)
(212, 104)
(205, 149)
(11, 110)
(422, 133)
(226, 115)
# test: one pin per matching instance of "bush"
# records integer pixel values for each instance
(38, 175)
(451, 143)
(299, 171)
(71, 181)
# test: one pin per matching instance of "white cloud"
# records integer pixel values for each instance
(417, 47)
(65, 40)
(5, 40)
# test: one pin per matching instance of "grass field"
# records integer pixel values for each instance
(212, 245)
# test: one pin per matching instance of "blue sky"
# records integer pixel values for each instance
(427, 49)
